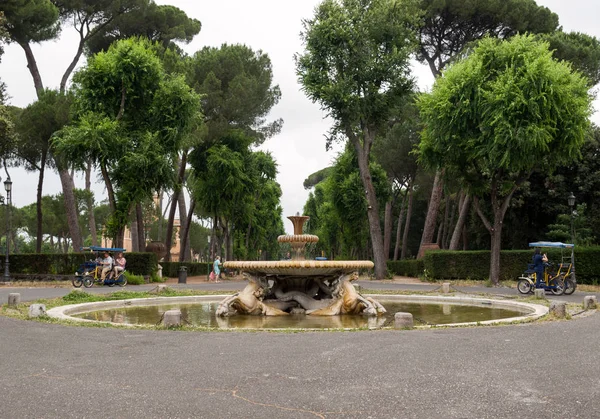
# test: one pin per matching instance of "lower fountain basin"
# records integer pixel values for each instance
(427, 310)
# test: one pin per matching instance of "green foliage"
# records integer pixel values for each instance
(132, 118)
(449, 26)
(356, 63)
(171, 269)
(338, 208)
(31, 20)
(579, 49)
(236, 85)
(409, 267)
(506, 103)
(561, 230)
(159, 23)
(133, 279)
(315, 178)
(67, 264)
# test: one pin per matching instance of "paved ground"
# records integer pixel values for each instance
(541, 370)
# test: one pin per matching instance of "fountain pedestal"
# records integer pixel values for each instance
(320, 287)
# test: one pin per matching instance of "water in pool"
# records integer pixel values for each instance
(203, 314)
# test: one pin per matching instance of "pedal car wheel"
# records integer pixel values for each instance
(570, 286)
(122, 281)
(523, 286)
(557, 286)
(77, 282)
(111, 283)
(88, 281)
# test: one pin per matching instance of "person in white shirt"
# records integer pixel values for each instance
(106, 262)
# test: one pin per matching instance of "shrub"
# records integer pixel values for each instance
(133, 279)
(476, 264)
(171, 269)
(408, 267)
(67, 264)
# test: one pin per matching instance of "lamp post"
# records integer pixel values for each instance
(8, 188)
(571, 201)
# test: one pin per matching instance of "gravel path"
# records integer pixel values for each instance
(541, 370)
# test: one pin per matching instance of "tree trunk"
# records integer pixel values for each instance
(373, 206)
(445, 226)
(442, 225)
(460, 223)
(71, 67)
(183, 256)
(91, 216)
(496, 244)
(71, 209)
(399, 227)
(135, 243)
(118, 242)
(39, 233)
(139, 219)
(186, 229)
(407, 224)
(387, 229)
(33, 68)
(162, 216)
(109, 189)
(495, 228)
(170, 221)
(432, 211)
(174, 202)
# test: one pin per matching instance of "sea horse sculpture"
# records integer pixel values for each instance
(343, 299)
(249, 301)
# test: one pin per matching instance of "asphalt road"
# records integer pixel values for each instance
(541, 370)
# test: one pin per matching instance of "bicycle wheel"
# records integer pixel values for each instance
(557, 286)
(77, 282)
(523, 286)
(570, 286)
(88, 281)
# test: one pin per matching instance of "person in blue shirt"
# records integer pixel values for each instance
(538, 266)
(216, 268)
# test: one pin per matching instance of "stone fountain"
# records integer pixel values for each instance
(299, 286)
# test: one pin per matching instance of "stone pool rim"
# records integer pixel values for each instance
(530, 311)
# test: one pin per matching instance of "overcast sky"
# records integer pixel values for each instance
(272, 26)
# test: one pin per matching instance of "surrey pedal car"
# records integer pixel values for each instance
(89, 273)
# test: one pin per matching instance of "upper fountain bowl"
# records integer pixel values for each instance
(298, 238)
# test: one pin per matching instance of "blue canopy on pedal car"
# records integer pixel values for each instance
(103, 249)
(552, 244)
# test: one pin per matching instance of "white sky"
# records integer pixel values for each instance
(272, 26)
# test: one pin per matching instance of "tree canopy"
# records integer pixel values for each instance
(504, 111)
(356, 66)
(132, 118)
(448, 26)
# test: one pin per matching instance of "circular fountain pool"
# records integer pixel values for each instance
(200, 311)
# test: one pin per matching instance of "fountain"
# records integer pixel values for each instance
(299, 286)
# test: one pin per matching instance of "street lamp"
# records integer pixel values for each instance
(8, 188)
(571, 201)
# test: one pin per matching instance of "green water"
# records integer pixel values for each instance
(203, 314)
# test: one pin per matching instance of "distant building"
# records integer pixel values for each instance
(127, 244)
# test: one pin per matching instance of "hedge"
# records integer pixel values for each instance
(67, 264)
(171, 269)
(476, 264)
(408, 267)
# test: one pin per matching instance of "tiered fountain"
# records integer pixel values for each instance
(299, 286)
